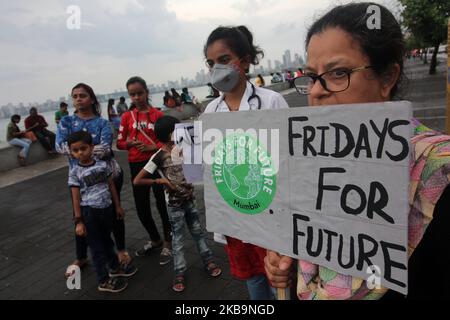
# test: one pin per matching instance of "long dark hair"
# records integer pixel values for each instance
(385, 47)
(96, 108)
(239, 39)
(175, 94)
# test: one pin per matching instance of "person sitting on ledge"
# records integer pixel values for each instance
(38, 125)
(15, 137)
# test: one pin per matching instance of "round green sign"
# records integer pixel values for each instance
(243, 173)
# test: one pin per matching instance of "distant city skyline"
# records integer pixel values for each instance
(200, 79)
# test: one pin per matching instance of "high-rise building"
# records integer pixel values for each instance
(201, 77)
(301, 61)
(296, 59)
(173, 84)
(184, 82)
(269, 65)
(258, 69)
(277, 65)
(197, 77)
(287, 59)
(205, 77)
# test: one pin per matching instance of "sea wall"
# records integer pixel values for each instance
(8, 156)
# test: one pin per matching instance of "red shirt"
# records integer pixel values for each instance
(246, 260)
(31, 120)
(129, 130)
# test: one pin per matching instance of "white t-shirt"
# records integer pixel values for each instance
(269, 100)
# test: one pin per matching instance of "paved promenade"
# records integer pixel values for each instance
(36, 244)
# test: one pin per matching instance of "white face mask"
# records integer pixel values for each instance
(177, 155)
(224, 77)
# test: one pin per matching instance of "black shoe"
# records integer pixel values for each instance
(125, 270)
(147, 248)
(113, 285)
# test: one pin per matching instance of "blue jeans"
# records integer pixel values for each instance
(179, 217)
(21, 142)
(99, 224)
(259, 288)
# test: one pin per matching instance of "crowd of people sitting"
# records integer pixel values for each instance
(286, 75)
(35, 130)
(172, 99)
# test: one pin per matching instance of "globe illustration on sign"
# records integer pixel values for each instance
(243, 179)
(243, 174)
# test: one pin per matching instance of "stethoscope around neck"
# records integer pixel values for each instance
(253, 96)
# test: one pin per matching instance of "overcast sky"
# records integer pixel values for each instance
(160, 40)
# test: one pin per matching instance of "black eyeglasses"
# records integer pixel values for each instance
(336, 80)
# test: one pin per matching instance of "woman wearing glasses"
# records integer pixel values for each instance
(229, 52)
(348, 63)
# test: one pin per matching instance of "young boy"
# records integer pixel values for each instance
(92, 188)
(180, 202)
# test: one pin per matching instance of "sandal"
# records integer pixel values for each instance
(213, 269)
(79, 263)
(179, 284)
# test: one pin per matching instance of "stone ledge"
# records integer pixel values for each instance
(8, 156)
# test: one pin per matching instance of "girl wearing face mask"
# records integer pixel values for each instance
(229, 52)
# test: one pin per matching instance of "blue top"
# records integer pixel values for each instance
(102, 138)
